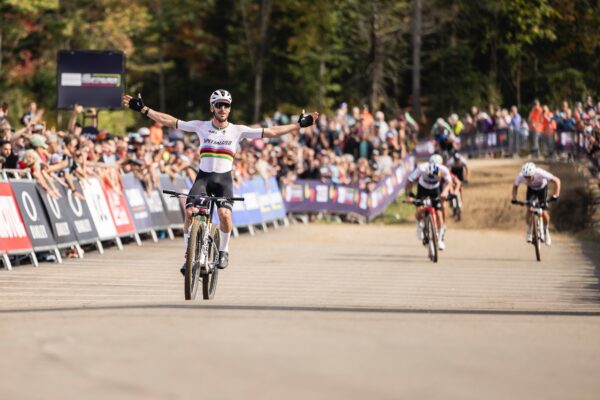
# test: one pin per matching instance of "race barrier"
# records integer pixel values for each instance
(316, 196)
(33, 221)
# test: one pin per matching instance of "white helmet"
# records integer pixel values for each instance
(436, 158)
(432, 169)
(220, 95)
(528, 169)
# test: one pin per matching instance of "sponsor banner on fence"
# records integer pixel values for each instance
(134, 192)
(13, 234)
(157, 209)
(315, 196)
(247, 212)
(80, 215)
(33, 213)
(118, 209)
(172, 205)
(58, 214)
(96, 201)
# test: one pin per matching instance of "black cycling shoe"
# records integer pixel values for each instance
(223, 259)
(182, 269)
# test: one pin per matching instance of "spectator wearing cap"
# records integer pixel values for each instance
(38, 143)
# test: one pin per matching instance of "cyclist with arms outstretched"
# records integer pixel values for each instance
(430, 178)
(537, 180)
(219, 140)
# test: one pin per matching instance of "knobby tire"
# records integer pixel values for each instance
(192, 269)
(536, 237)
(432, 245)
(209, 281)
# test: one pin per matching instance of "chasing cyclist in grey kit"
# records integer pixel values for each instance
(219, 140)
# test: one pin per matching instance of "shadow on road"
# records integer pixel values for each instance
(314, 309)
(407, 257)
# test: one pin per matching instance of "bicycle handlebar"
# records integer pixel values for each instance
(420, 202)
(214, 198)
(530, 203)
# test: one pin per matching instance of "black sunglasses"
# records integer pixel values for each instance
(221, 105)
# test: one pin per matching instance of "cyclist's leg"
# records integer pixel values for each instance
(221, 185)
(198, 188)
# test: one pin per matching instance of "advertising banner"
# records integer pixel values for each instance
(98, 207)
(118, 209)
(172, 205)
(157, 209)
(80, 216)
(13, 234)
(247, 212)
(58, 214)
(134, 193)
(33, 214)
(315, 196)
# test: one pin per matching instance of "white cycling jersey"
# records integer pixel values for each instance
(218, 145)
(420, 174)
(539, 181)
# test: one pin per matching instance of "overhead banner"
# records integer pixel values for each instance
(134, 193)
(58, 216)
(33, 214)
(13, 234)
(94, 196)
(118, 209)
(81, 217)
(172, 204)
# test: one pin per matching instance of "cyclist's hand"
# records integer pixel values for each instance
(554, 198)
(514, 201)
(305, 120)
(410, 195)
(135, 103)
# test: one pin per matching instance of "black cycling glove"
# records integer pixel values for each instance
(136, 104)
(554, 198)
(305, 120)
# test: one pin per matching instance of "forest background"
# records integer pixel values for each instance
(432, 57)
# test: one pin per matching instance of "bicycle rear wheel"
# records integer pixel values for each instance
(432, 244)
(209, 281)
(536, 238)
(192, 262)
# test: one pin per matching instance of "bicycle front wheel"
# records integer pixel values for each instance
(536, 238)
(432, 233)
(209, 281)
(192, 262)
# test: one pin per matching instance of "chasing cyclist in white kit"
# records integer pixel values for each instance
(537, 180)
(219, 140)
(430, 178)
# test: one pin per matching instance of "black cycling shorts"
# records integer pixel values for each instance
(541, 194)
(458, 171)
(219, 184)
(433, 194)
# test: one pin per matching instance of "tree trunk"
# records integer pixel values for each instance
(161, 69)
(376, 60)
(265, 16)
(416, 60)
(322, 70)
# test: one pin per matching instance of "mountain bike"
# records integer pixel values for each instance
(202, 253)
(429, 220)
(537, 229)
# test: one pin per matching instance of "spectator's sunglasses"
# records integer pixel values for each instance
(221, 105)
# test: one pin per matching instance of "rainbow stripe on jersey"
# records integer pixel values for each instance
(216, 152)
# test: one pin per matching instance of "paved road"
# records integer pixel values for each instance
(309, 312)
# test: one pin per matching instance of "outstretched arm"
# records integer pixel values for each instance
(280, 130)
(137, 104)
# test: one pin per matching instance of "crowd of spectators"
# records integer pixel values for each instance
(541, 131)
(351, 146)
